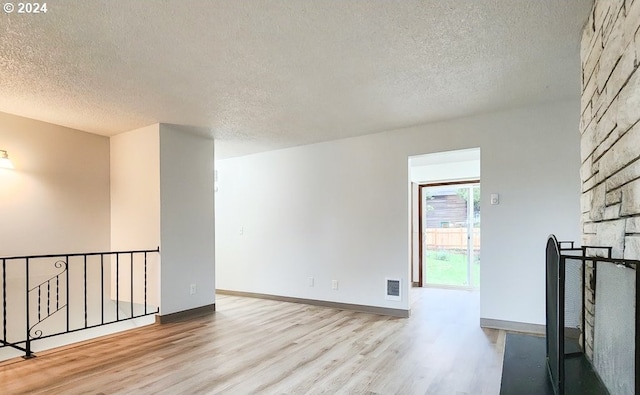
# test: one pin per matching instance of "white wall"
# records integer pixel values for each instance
(187, 219)
(135, 189)
(454, 171)
(162, 195)
(339, 210)
(73, 191)
(56, 200)
(135, 207)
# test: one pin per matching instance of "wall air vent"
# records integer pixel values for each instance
(393, 289)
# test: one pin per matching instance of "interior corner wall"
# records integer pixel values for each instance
(135, 189)
(135, 201)
(162, 195)
(339, 210)
(56, 200)
(187, 219)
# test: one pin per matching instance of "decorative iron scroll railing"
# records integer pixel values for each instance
(557, 255)
(51, 295)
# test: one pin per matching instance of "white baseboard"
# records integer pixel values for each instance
(335, 305)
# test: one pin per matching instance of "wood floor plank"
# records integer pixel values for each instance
(254, 346)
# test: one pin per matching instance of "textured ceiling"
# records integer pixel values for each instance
(281, 73)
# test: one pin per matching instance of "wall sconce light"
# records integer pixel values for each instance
(5, 162)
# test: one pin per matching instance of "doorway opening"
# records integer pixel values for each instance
(450, 234)
(445, 219)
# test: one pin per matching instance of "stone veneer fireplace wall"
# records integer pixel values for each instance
(610, 149)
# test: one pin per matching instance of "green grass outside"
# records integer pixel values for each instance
(450, 268)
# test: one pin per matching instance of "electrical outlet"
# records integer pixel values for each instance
(193, 289)
(311, 281)
(334, 285)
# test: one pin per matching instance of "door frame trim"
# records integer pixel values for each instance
(422, 185)
(420, 240)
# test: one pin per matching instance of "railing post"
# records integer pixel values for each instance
(131, 281)
(145, 283)
(102, 287)
(48, 297)
(39, 302)
(27, 353)
(4, 300)
(158, 296)
(85, 291)
(68, 302)
(57, 292)
(117, 287)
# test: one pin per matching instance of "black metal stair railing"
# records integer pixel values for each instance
(38, 288)
(49, 298)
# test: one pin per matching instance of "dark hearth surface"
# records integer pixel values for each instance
(524, 371)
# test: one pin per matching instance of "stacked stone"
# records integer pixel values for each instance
(610, 142)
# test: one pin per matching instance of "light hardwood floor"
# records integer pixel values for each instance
(260, 346)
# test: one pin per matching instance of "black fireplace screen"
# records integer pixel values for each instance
(555, 315)
(557, 255)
